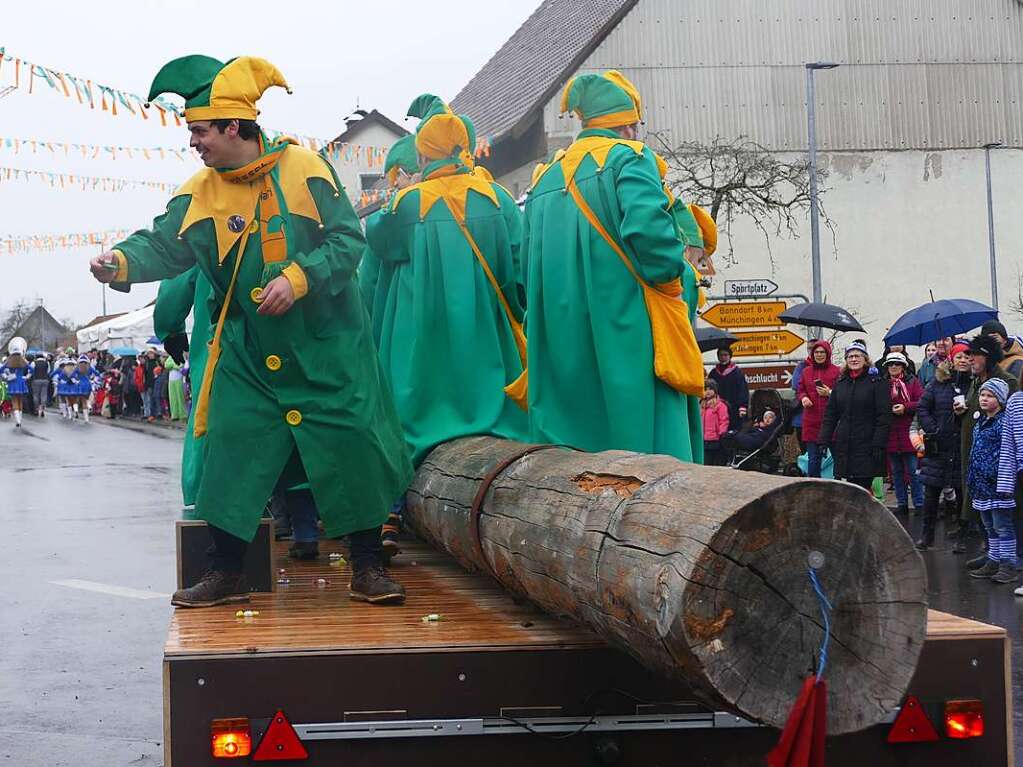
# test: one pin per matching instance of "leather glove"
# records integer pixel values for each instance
(176, 345)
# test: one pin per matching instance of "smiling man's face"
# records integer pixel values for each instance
(214, 147)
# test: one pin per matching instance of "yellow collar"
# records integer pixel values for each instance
(453, 190)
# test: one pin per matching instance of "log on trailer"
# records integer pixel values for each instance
(697, 571)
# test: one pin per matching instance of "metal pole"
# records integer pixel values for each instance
(991, 225)
(811, 130)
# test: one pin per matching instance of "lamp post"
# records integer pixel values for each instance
(991, 223)
(811, 130)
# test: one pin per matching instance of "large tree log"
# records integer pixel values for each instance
(698, 571)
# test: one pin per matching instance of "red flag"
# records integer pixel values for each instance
(802, 741)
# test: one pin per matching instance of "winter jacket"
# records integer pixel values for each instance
(732, 388)
(969, 419)
(982, 473)
(828, 374)
(715, 421)
(1012, 362)
(856, 424)
(941, 466)
(911, 392)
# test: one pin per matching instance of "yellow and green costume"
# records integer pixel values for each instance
(287, 397)
(596, 379)
(449, 333)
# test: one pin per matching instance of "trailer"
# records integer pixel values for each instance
(462, 671)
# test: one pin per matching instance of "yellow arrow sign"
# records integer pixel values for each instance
(756, 343)
(745, 314)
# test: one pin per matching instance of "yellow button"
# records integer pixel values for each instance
(256, 294)
(273, 362)
(254, 226)
(293, 417)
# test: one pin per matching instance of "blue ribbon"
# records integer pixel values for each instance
(825, 614)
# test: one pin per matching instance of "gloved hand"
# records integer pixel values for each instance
(176, 345)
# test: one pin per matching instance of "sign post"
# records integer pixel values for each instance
(763, 343)
(745, 314)
(750, 288)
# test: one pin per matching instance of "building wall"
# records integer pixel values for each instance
(375, 135)
(923, 84)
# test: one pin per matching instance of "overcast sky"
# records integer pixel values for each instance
(334, 55)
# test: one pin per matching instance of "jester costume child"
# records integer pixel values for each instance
(285, 396)
(612, 353)
(449, 320)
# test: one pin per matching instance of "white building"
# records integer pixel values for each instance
(922, 86)
(358, 169)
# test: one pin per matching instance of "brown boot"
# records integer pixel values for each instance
(215, 588)
(372, 584)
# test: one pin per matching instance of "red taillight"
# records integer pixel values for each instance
(912, 724)
(231, 738)
(964, 719)
(280, 742)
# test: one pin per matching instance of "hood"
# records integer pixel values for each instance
(943, 371)
(1015, 351)
(827, 348)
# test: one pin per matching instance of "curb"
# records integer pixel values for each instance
(163, 430)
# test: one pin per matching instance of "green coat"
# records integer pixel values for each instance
(445, 342)
(342, 430)
(375, 280)
(591, 370)
(188, 292)
(691, 295)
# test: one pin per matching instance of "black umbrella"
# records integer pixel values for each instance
(714, 338)
(815, 315)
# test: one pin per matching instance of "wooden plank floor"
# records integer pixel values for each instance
(476, 614)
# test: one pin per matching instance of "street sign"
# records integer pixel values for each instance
(769, 376)
(745, 314)
(750, 288)
(757, 343)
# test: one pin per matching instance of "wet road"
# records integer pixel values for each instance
(88, 514)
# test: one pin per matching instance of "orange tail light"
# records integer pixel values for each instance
(964, 719)
(231, 738)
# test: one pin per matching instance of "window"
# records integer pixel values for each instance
(368, 180)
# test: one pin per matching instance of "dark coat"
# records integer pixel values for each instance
(856, 424)
(942, 466)
(733, 389)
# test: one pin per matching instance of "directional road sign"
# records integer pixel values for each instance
(745, 314)
(757, 343)
(769, 376)
(750, 288)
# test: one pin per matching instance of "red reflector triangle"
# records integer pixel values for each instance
(280, 742)
(912, 724)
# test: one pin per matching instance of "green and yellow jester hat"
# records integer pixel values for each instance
(441, 133)
(603, 101)
(214, 90)
(401, 156)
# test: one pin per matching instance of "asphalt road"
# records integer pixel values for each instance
(88, 564)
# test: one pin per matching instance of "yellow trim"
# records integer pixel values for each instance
(122, 266)
(299, 284)
(273, 362)
(708, 227)
(563, 107)
(453, 190)
(626, 85)
(225, 112)
(293, 417)
(597, 147)
(441, 135)
(613, 120)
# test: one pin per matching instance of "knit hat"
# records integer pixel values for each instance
(895, 358)
(994, 326)
(957, 348)
(987, 346)
(997, 387)
(856, 346)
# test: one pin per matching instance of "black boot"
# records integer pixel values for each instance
(926, 539)
(989, 568)
(216, 588)
(371, 583)
(1006, 573)
(304, 550)
(977, 562)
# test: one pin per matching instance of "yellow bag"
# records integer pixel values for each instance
(517, 390)
(678, 361)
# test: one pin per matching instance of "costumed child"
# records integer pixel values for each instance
(995, 508)
(15, 373)
(67, 388)
(83, 377)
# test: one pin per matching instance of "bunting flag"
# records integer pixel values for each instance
(95, 151)
(371, 196)
(49, 242)
(20, 74)
(85, 183)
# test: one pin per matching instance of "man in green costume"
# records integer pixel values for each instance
(292, 388)
(599, 239)
(450, 339)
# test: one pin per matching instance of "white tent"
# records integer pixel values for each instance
(133, 329)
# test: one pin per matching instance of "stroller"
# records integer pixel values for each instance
(757, 446)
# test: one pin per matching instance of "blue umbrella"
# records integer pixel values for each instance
(938, 319)
(124, 351)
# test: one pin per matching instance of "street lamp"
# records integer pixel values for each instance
(811, 129)
(991, 223)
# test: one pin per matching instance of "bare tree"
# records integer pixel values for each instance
(739, 178)
(1016, 302)
(13, 318)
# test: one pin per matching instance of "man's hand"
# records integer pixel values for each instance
(898, 409)
(278, 297)
(807, 402)
(104, 267)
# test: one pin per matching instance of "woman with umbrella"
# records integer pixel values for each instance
(905, 392)
(857, 419)
(818, 379)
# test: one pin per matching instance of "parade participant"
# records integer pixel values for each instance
(292, 388)
(815, 384)
(857, 419)
(40, 384)
(15, 372)
(450, 338)
(67, 388)
(612, 352)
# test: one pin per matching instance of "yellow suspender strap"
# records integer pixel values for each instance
(516, 326)
(202, 406)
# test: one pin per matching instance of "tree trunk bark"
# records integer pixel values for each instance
(699, 572)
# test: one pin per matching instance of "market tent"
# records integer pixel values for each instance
(133, 329)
